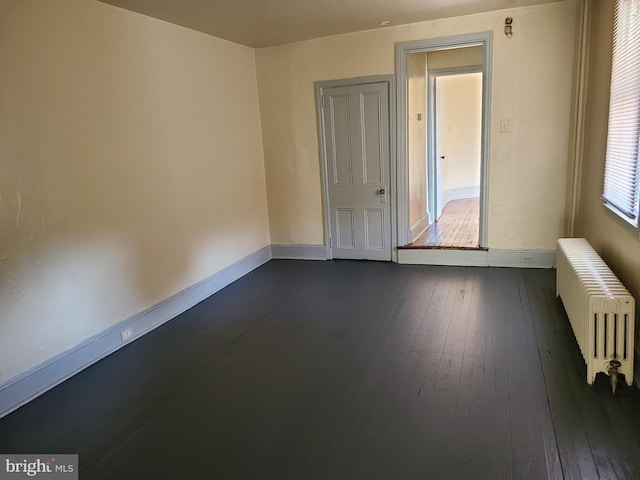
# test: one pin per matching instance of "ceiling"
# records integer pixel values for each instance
(266, 23)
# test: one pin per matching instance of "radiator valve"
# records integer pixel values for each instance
(614, 365)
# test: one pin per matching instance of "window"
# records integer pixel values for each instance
(622, 166)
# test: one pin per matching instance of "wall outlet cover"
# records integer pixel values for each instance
(126, 334)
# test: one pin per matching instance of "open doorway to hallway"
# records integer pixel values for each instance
(445, 151)
(454, 102)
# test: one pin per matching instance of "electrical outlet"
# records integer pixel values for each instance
(526, 259)
(126, 334)
(504, 126)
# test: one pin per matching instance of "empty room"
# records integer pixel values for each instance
(212, 239)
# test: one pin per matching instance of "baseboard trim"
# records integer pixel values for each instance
(479, 258)
(522, 258)
(419, 227)
(460, 193)
(299, 252)
(23, 388)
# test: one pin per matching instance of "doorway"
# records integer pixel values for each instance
(454, 103)
(431, 188)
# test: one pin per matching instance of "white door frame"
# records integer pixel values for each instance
(403, 49)
(320, 86)
(433, 124)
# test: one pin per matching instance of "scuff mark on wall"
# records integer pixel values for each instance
(19, 204)
(2, 216)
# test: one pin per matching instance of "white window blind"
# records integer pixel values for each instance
(621, 176)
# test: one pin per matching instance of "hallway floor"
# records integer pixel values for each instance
(458, 227)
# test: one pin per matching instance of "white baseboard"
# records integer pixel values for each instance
(299, 252)
(458, 193)
(522, 258)
(419, 227)
(23, 388)
(479, 258)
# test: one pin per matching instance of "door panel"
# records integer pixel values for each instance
(345, 237)
(356, 136)
(374, 229)
(372, 126)
(341, 135)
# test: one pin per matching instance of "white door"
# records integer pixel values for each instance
(439, 156)
(356, 141)
(435, 156)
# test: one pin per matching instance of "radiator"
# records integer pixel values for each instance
(599, 307)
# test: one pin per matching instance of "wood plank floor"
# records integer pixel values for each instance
(347, 370)
(457, 227)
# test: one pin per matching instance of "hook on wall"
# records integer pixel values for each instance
(508, 29)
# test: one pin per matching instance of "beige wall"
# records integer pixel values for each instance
(455, 58)
(617, 243)
(131, 167)
(460, 134)
(532, 80)
(417, 136)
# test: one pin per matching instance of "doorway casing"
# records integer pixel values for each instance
(403, 50)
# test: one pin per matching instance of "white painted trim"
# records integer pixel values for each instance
(419, 227)
(393, 168)
(23, 388)
(479, 258)
(443, 72)
(403, 49)
(459, 193)
(299, 252)
(319, 87)
(514, 258)
(463, 258)
(324, 187)
(578, 115)
(434, 207)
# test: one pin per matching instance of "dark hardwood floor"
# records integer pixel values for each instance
(347, 370)
(458, 227)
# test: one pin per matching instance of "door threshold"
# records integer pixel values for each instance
(440, 247)
(478, 258)
(443, 256)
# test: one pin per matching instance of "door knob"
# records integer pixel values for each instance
(381, 191)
